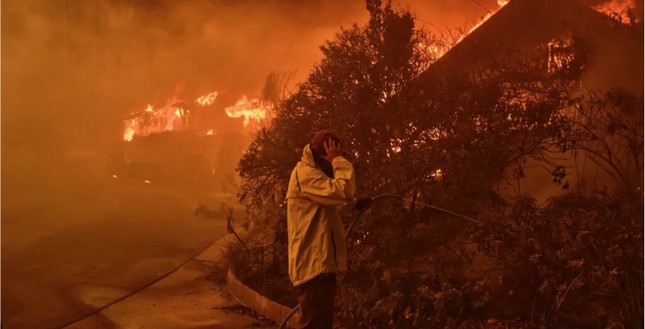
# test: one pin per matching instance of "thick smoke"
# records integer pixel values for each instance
(72, 65)
(73, 69)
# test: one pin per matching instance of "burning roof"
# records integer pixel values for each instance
(526, 25)
(177, 115)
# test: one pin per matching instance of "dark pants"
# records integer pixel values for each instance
(316, 300)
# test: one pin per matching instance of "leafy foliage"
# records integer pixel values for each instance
(606, 128)
(435, 133)
(576, 255)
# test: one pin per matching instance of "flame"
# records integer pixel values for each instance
(620, 10)
(207, 99)
(130, 130)
(252, 109)
(481, 21)
(560, 54)
(434, 50)
(438, 52)
(174, 115)
(151, 120)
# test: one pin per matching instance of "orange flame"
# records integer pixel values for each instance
(438, 52)
(620, 10)
(207, 99)
(488, 15)
(252, 109)
(153, 120)
(173, 117)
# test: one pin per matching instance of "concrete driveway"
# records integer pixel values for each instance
(61, 263)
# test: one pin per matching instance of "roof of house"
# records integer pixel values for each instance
(525, 25)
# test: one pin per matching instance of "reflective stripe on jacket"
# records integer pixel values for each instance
(316, 233)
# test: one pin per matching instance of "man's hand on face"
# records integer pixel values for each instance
(333, 149)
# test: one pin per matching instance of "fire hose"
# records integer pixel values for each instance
(359, 214)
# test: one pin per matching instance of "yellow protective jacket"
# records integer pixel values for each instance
(316, 233)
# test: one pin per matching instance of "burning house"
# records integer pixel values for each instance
(548, 29)
(525, 54)
(194, 142)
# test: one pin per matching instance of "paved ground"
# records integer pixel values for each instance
(193, 297)
(61, 262)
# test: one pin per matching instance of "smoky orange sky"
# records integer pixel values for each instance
(73, 69)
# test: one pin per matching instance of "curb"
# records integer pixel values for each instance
(139, 289)
(258, 302)
(152, 306)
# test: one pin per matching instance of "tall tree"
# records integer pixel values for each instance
(354, 91)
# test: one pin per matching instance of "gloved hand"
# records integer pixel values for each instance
(362, 204)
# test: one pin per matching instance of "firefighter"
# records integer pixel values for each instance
(321, 183)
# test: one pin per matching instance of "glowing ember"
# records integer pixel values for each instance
(620, 10)
(207, 99)
(252, 109)
(210, 132)
(435, 50)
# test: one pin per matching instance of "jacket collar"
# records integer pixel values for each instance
(308, 156)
